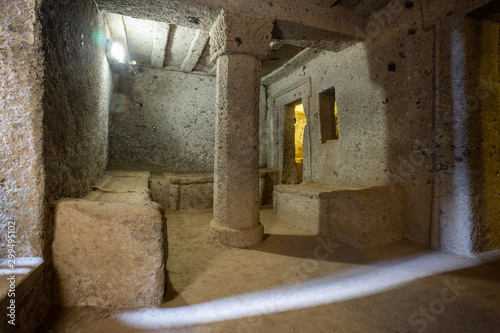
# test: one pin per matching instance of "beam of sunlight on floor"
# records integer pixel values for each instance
(14, 271)
(19, 266)
(351, 284)
(22, 261)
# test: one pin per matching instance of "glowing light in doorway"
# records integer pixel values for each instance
(300, 124)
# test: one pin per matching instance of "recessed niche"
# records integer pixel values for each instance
(328, 115)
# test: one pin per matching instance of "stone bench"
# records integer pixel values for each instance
(182, 192)
(109, 248)
(360, 217)
(196, 191)
(29, 292)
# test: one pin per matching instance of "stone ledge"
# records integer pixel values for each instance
(31, 294)
(195, 191)
(312, 189)
(182, 191)
(189, 179)
(360, 217)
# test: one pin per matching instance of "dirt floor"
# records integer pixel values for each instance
(297, 282)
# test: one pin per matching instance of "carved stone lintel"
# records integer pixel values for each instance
(234, 33)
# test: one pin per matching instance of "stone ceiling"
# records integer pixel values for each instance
(173, 34)
(358, 7)
(172, 47)
(162, 45)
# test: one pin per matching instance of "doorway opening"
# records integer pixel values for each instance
(293, 154)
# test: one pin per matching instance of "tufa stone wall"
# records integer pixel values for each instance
(483, 148)
(78, 84)
(164, 120)
(21, 90)
(54, 86)
(417, 109)
(465, 185)
(383, 89)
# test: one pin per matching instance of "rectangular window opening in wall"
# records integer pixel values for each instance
(328, 115)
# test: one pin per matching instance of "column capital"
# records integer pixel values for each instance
(235, 33)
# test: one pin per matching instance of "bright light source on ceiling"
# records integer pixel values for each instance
(118, 52)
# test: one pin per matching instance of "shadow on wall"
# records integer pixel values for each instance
(383, 91)
(406, 122)
(442, 101)
(400, 59)
(78, 85)
(483, 109)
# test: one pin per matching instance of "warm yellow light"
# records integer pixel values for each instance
(300, 124)
(336, 122)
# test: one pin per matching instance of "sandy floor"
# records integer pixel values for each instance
(297, 282)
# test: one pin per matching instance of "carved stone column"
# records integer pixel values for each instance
(237, 43)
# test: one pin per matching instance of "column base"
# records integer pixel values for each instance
(240, 238)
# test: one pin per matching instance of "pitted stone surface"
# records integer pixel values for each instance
(164, 120)
(21, 164)
(33, 279)
(109, 248)
(234, 33)
(385, 117)
(367, 217)
(196, 191)
(305, 205)
(237, 140)
(346, 20)
(236, 168)
(109, 255)
(79, 84)
(240, 238)
(360, 217)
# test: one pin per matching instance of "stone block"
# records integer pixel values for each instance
(196, 191)
(360, 217)
(190, 192)
(196, 196)
(367, 217)
(109, 254)
(299, 205)
(160, 190)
